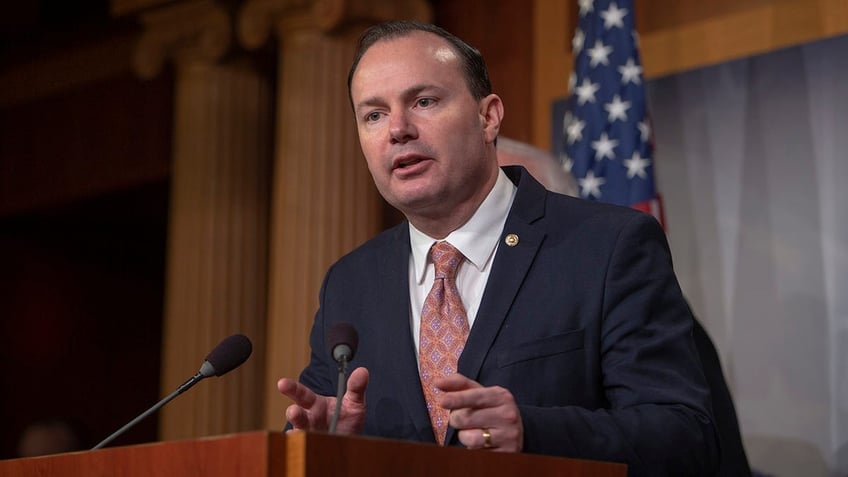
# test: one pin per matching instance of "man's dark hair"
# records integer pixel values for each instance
(476, 74)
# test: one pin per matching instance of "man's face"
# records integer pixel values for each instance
(427, 141)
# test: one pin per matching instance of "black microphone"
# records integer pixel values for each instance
(227, 356)
(342, 341)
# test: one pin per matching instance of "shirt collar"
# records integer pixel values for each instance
(478, 237)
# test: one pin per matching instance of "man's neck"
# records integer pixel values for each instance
(439, 226)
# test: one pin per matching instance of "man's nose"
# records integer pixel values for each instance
(401, 128)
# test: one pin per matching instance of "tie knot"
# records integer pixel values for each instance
(446, 259)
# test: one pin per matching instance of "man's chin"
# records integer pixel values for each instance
(416, 204)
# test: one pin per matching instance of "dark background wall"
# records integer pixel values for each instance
(83, 213)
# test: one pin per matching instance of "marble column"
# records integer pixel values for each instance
(324, 202)
(217, 258)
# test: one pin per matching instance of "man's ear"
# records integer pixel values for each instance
(491, 115)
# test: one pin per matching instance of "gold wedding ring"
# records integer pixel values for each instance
(487, 438)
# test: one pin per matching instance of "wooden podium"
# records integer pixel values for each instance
(272, 454)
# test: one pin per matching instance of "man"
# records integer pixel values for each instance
(580, 342)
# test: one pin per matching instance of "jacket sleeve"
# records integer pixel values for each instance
(318, 375)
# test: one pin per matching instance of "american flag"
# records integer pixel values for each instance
(602, 133)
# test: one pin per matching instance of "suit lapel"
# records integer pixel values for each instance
(508, 271)
(511, 265)
(393, 313)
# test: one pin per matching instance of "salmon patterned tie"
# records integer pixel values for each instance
(444, 329)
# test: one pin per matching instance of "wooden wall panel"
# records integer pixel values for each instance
(502, 31)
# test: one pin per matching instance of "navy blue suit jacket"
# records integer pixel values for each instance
(583, 321)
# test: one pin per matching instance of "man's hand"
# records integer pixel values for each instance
(311, 412)
(477, 411)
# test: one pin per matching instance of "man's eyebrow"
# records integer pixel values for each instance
(410, 92)
(416, 90)
(372, 101)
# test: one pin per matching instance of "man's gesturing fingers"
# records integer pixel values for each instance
(356, 384)
(298, 414)
(352, 418)
(300, 394)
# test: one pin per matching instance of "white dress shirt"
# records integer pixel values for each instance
(477, 239)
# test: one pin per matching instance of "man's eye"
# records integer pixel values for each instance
(371, 117)
(424, 102)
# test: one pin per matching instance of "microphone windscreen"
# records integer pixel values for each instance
(342, 334)
(230, 354)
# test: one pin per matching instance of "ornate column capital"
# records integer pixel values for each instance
(259, 17)
(195, 30)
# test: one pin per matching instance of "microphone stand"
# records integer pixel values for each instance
(183, 388)
(339, 393)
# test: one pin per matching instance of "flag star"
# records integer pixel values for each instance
(599, 54)
(604, 147)
(586, 6)
(567, 118)
(591, 185)
(614, 16)
(636, 166)
(577, 41)
(567, 163)
(617, 109)
(644, 130)
(574, 130)
(586, 91)
(630, 72)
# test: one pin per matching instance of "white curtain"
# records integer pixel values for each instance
(752, 162)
